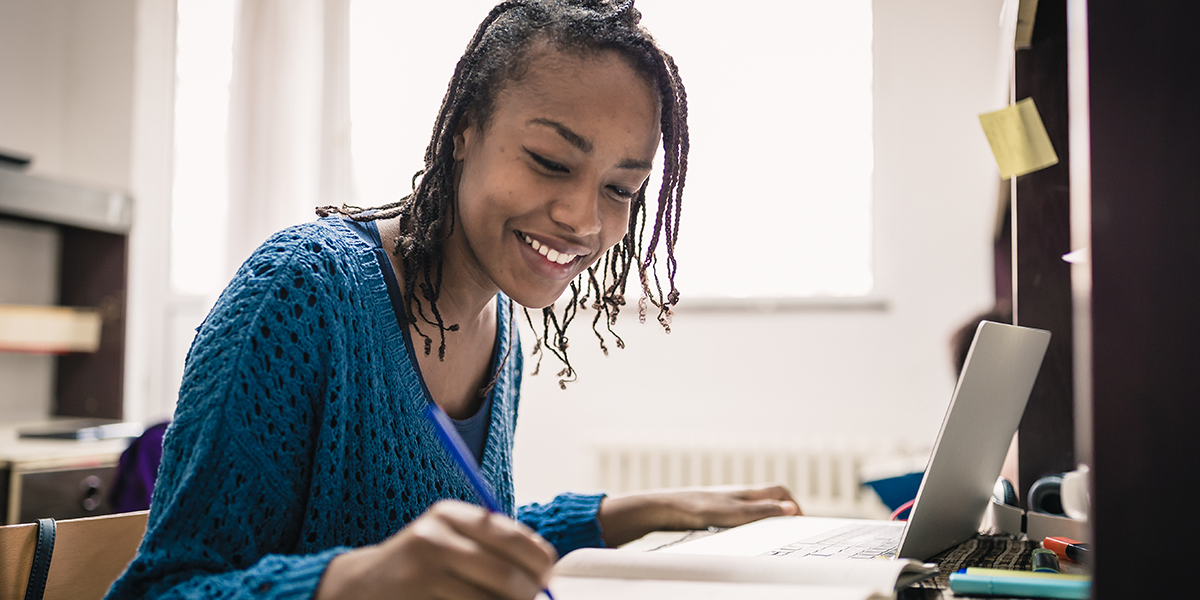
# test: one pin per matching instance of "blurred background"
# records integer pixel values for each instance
(840, 221)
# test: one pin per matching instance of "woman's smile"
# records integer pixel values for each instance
(546, 259)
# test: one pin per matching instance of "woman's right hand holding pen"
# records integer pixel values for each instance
(454, 550)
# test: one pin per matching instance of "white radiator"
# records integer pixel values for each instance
(825, 479)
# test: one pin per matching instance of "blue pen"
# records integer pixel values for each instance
(457, 448)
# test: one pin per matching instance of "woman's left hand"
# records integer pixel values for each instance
(627, 518)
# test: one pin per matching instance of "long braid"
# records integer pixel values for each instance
(498, 53)
(424, 212)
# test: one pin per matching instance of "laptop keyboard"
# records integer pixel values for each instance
(855, 541)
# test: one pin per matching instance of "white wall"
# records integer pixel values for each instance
(66, 85)
(33, 35)
(68, 97)
(67, 88)
(825, 374)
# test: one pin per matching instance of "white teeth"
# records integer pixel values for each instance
(551, 255)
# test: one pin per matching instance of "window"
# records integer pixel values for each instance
(402, 55)
(200, 198)
(778, 195)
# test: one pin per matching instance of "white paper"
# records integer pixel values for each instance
(588, 588)
(876, 576)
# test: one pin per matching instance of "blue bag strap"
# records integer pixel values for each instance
(40, 571)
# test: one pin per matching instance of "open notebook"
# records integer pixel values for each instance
(602, 573)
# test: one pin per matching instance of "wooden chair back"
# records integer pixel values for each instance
(89, 555)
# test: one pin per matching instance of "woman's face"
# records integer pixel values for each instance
(546, 185)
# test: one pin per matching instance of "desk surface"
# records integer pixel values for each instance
(995, 551)
(39, 453)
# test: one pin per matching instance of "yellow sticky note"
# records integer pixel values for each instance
(1018, 139)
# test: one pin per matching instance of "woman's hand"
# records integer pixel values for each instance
(627, 518)
(454, 550)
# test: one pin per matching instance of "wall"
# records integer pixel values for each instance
(66, 99)
(68, 87)
(731, 374)
(831, 374)
(27, 380)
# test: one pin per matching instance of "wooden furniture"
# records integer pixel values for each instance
(1135, 204)
(1144, 415)
(62, 479)
(89, 555)
(1042, 286)
(94, 226)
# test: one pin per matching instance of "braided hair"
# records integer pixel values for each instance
(499, 53)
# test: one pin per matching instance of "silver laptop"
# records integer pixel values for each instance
(984, 412)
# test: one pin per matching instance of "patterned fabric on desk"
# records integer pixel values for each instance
(999, 551)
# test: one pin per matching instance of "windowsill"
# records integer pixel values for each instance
(768, 304)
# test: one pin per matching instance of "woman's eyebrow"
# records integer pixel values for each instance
(572, 138)
(636, 165)
(586, 147)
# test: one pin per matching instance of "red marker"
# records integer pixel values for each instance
(1068, 548)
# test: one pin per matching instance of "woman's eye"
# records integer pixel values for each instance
(547, 164)
(623, 193)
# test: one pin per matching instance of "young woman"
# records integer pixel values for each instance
(299, 463)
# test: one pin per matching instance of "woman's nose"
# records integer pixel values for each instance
(578, 209)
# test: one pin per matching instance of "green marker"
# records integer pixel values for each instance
(1045, 561)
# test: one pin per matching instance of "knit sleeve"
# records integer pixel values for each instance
(568, 522)
(228, 508)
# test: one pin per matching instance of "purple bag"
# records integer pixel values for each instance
(134, 481)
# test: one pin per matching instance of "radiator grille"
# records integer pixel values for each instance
(825, 479)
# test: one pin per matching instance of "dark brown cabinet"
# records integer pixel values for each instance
(64, 479)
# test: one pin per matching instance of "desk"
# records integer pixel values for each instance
(994, 551)
(63, 479)
(1001, 552)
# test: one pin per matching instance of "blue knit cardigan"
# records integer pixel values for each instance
(299, 433)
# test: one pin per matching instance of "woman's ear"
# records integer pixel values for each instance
(464, 133)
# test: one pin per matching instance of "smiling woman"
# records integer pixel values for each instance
(302, 409)
(557, 161)
(587, 108)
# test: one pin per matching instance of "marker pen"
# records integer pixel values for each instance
(1044, 561)
(1066, 547)
(1026, 584)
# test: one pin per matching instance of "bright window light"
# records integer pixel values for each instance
(402, 55)
(200, 198)
(778, 196)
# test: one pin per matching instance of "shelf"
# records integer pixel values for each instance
(48, 329)
(93, 227)
(40, 199)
